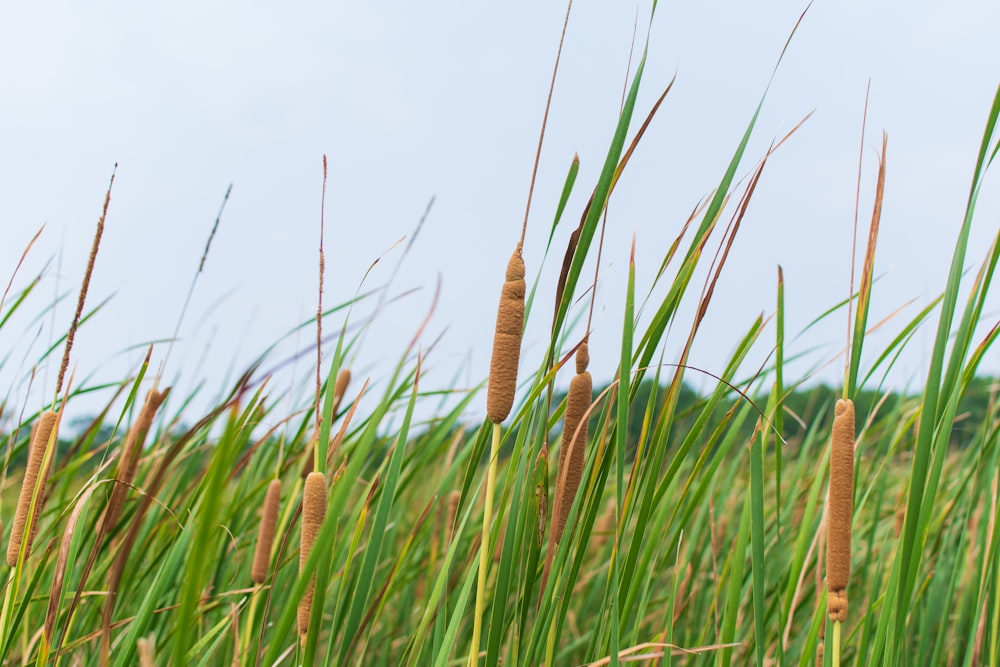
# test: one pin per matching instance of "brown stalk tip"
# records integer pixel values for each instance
(507, 342)
(265, 535)
(313, 513)
(33, 475)
(147, 651)
(841, 510)
(131, 451)
(572, 457)
(340, 388)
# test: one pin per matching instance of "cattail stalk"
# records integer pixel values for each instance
(29, 501)
(339, 390)
(128, 460)
(499, 400)
(313, 513)
(265, 534)
(841, 510)
(572, 457)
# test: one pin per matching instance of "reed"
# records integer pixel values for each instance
(313, 513)
(500, 392)
(265, 534)
(339, 390)
(507, 342)
(146, 647)
(34, 476)
(128, 460)
(573, 442)
(838, 544)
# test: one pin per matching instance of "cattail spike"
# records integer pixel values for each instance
(313, 513)
(572, 457)
(340, 388)
(582, 358)
(41, 435)
(128, 460)
(841, 510)
(507, 342)
(265, 535)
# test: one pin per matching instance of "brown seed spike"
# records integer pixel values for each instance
(507, 342)
(128, 460)
(572, 457)
(841, 510)
(36, 454)
(340, 388)
(265, 534)
(313, 513)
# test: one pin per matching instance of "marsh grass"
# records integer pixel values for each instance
(691, 531)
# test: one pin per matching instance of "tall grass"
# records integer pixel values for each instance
(683, 529)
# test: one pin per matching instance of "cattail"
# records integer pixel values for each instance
(339, 390)
(265, 535)
(128, 460)
(507, 342)
(33, 474)
(605, 526)
(574, 438)
(313, 513)
(147, 651)
(841, 503)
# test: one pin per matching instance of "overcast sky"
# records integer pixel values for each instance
(444, 99)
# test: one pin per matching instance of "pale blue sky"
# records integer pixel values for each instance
(444, 99)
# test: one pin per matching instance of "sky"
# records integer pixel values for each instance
(444, 100)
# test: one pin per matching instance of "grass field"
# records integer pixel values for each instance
(627, 523)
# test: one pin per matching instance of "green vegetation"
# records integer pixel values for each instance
(696, 536)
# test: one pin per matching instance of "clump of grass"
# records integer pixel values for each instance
(265, 534)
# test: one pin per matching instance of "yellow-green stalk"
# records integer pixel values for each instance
(499, 401)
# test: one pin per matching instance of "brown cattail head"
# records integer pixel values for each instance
(147, 651)
(265, 535)
(340, 388)
(507, 342)
(33, 474)
(841, 510)
(605, 526)
(574, 438)
(128, 460)
(313, 513)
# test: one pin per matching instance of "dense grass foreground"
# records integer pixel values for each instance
(349, 533)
